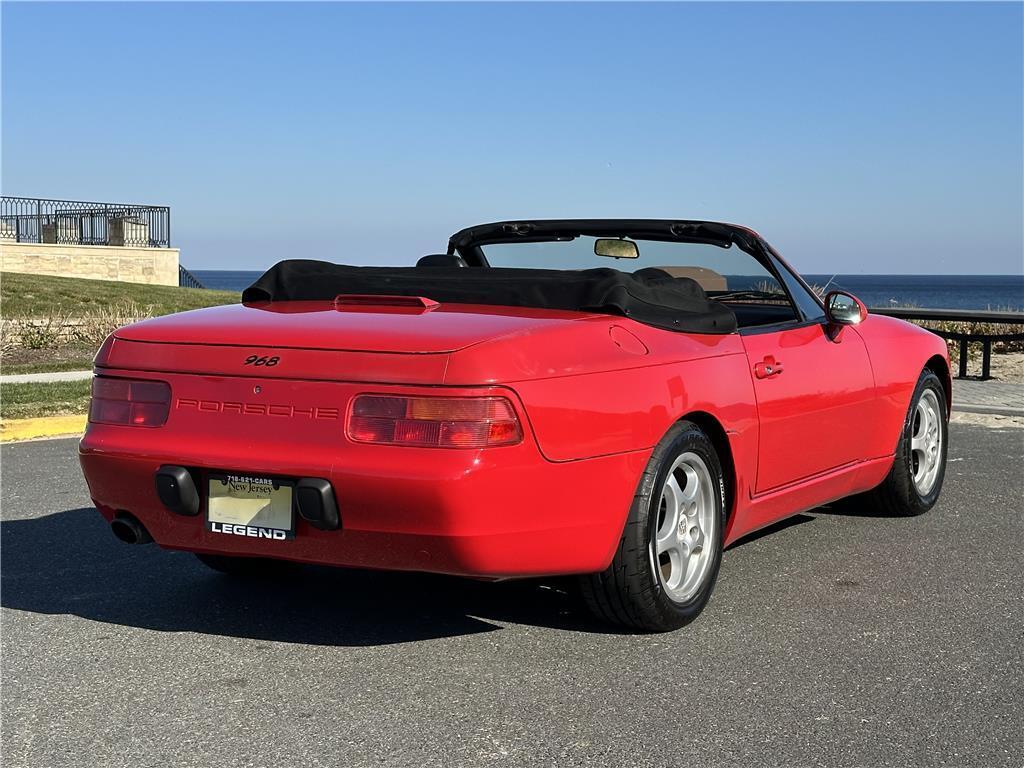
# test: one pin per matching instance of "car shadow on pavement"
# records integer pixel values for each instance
(70, 563)
(854, 506)
(776, 527)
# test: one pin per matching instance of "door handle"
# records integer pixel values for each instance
(767, 367)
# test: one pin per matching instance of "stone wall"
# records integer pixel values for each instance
(157, 266)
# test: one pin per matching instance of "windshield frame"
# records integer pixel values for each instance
(468, 242)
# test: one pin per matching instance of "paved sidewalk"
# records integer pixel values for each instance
(999, 397)
(36, 378)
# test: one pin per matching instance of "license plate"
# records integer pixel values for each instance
(250, 505)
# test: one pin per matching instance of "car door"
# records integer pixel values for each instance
(815, 398)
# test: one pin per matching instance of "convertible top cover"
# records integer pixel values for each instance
(649, 296)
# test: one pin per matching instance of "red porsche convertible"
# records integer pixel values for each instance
(616, 399)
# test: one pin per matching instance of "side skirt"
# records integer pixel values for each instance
(770, 507)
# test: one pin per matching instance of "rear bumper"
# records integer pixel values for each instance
(499, 512)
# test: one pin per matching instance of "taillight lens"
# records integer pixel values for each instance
(130, 402)
(434, 422)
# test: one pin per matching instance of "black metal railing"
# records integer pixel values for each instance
(75, 222)
(187, 280)
(964, 338)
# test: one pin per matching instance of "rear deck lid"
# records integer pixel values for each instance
(358, 327)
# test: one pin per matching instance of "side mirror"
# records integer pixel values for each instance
(616, 249)
(843, 308)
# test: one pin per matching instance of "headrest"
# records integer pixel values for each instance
(709, 279)
(661, 275)
(442, 260)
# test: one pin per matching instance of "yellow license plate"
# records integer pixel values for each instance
(250, 505)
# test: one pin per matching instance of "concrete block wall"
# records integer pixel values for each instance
(155, 266)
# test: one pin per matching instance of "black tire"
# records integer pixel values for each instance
(248, 567)
(629, 592)
(898, 496)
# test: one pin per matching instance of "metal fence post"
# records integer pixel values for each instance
(986, 357)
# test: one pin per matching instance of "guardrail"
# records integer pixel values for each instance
(76, 222)
(187, 280)
(964, 338)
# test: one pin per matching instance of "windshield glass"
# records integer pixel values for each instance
(718, 270)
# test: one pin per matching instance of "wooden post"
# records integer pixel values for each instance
(963, 358)
(986, 357)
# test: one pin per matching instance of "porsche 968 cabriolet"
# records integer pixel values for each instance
(616, 400)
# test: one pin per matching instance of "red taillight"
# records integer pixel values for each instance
(434, 422)
(131, 402)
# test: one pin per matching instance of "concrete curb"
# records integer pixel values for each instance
(995, 410)
(13, 430)
(35, 378)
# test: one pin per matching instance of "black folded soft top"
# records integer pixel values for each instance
(649, 296)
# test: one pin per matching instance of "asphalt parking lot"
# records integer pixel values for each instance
(832, 640)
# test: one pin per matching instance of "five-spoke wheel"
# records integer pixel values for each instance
(687, 519)
(926, 441)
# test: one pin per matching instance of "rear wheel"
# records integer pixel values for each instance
(914, 483)
(665, 568)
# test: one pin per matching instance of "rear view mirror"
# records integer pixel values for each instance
(616, 249)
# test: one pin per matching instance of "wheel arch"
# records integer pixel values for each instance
(937, 364)
(716, 433)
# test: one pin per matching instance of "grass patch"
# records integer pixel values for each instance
(66, 357)
(76, 360)
(41, 295)
(57, 323)
(58, 398)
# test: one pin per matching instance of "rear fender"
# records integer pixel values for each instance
(580, 417)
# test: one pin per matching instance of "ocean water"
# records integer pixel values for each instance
(995, 292)
(226, 279)
(1001, 292)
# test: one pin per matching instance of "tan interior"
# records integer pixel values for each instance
(709, 279)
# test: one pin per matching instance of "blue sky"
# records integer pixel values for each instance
(855, 137)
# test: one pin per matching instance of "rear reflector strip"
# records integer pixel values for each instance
(434, 422)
